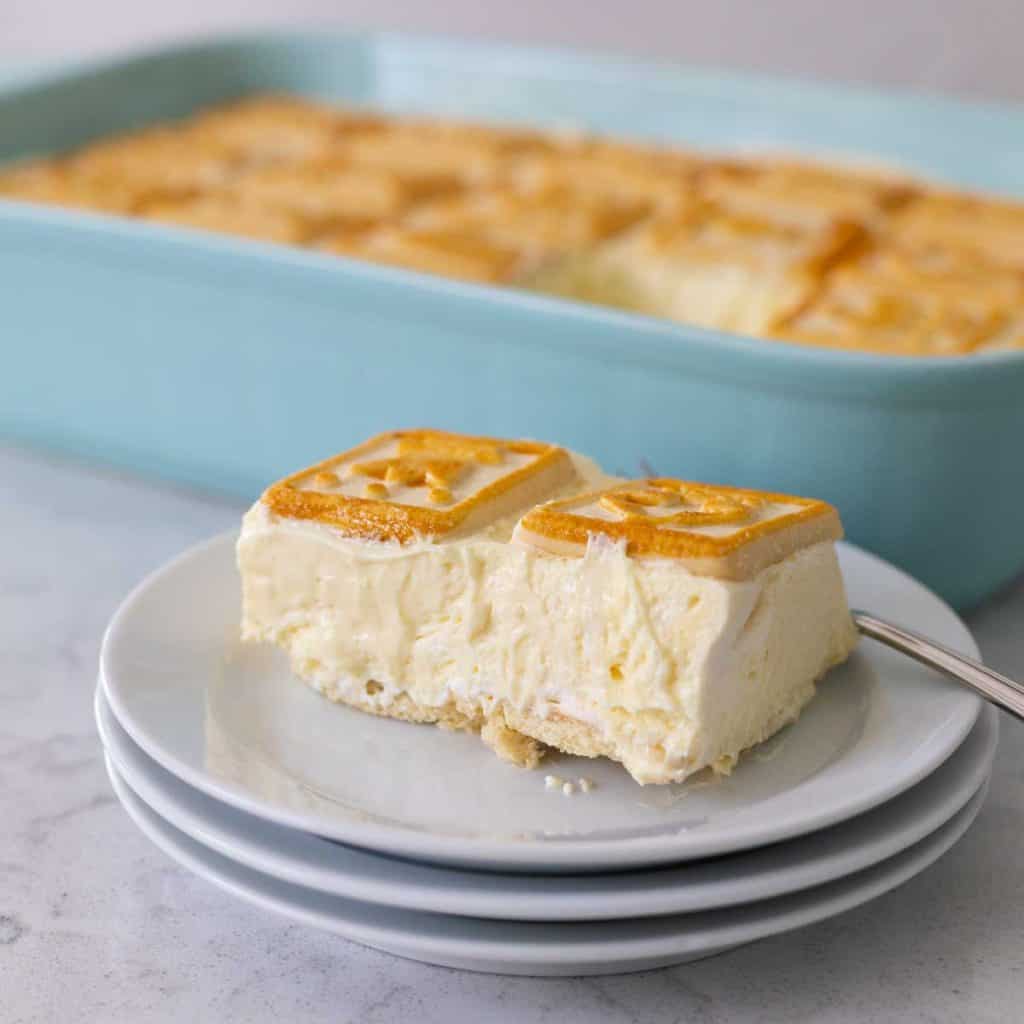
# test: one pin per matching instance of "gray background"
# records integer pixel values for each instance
(953, 46)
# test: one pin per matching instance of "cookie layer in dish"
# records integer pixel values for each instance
(766, 245)
(514, 589)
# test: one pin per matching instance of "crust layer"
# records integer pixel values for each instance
(524, 739)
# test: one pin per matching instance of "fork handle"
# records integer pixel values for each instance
(995, 688)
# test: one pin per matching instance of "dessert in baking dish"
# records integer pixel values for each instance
(514, 589)
(802, 252)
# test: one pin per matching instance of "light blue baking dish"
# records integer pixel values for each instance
(225, 363)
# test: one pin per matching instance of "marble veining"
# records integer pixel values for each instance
(96, 925)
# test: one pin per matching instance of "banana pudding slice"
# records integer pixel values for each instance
(513, 589)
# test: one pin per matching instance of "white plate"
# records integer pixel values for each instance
(232, 721)
(516, 947)
(315, 863)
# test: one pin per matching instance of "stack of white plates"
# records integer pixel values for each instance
(422, 843)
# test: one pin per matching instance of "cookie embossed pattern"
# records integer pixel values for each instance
(418, 483)
(726, 532)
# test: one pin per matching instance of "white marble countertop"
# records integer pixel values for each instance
(96, 925)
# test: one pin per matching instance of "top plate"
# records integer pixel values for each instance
(232, 721)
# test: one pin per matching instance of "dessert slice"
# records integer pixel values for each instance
(512, 588)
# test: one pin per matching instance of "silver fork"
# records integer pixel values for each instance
(995, 688)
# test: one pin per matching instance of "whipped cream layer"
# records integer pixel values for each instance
(663, 670)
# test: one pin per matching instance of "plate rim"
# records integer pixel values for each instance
(551, 855)
(438, 945)
(134, 768)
